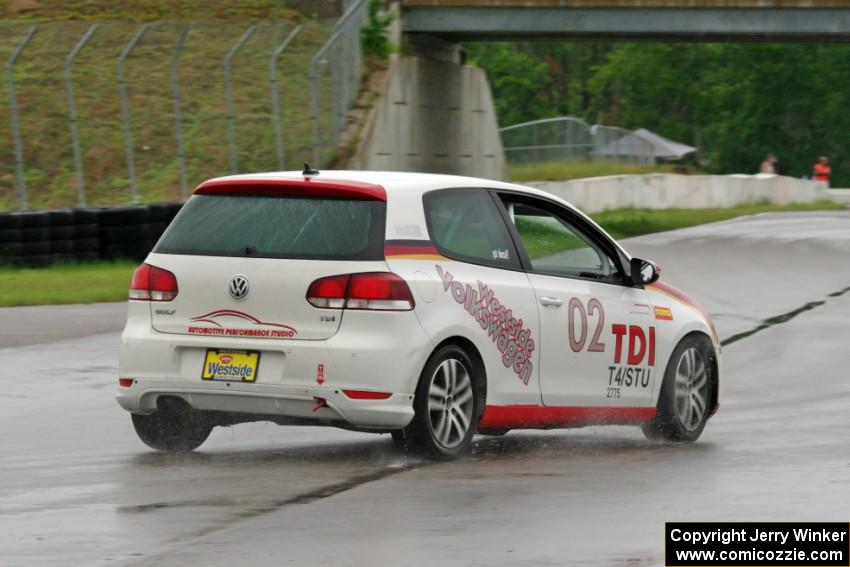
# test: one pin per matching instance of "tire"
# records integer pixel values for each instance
(87, 245)
(63, 232)
(31, 261)
(35, 248)
(125, 216)
(493, 432)
(399, 439)
(173, 209)
(689, 378)
(90, 230)
(9, 220)
(174, 428)
(61, 246)
(86, 256)
(10, 248)
(87, 215)
(35, 234)
(32, 219)
(156, 231)
(60, 217)
(445, 406)
(9, 235)
(124, 234)
(161, 212)
(132, 251)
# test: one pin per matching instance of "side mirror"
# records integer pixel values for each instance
(644, 272)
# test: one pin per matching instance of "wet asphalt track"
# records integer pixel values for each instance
(77, 488)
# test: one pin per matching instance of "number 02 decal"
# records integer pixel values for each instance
(594, 306)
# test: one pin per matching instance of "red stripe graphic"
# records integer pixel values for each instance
(409, 248)
(541, 417)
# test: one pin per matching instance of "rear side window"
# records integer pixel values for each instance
(465, 224)
(277, 226)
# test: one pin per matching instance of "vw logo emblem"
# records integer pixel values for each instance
(238, 288)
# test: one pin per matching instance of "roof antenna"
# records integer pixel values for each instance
(309, 170)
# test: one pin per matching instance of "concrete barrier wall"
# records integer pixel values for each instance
(664, 191)
(841, 196)
(434, 116)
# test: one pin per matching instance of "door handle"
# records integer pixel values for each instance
(551, 301)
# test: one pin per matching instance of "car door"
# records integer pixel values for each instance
(597, 339)
(474, 286)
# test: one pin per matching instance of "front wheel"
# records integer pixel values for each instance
(172, 429)
(684, 403)
(444, 406)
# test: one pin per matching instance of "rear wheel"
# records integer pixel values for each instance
(444, 406)
(686, 394)
(174, 428)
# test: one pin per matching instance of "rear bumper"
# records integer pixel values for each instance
(324, 405)
(376, 351)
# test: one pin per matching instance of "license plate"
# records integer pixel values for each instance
(231, 365)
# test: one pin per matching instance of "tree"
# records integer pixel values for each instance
(736, 102)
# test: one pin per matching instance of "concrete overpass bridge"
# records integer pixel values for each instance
(660, 20)
(437, 114)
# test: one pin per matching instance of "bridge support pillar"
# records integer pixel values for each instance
(435, 115)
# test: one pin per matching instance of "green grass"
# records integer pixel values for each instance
(623, 223)
(542, 239)
(108, 281)
(141, 10)
(563, 171)
(216, 26)
(66, 283)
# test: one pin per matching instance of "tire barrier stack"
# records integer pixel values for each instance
(40, 238)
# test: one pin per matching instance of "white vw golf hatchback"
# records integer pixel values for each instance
(431, 307)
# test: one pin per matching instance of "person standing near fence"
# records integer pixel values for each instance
(822, 171)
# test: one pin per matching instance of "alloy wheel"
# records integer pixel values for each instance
(691, 389)
(450, 403)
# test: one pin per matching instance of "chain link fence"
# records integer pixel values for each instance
(566, 138)
(335, 73)
(116, 113)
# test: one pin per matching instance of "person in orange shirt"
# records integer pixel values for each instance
(822, 169)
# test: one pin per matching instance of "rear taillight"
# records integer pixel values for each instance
(150, 283)
(379, 291)
(328, 292)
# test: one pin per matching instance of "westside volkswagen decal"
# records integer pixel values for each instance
(510, 336)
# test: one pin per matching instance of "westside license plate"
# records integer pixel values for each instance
(231, 365)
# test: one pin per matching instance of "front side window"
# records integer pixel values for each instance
(466, 224)
(558, 247)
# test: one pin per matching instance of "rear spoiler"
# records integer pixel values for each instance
(308, 186)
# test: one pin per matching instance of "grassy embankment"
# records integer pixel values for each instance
(108, 281)
(216, 25)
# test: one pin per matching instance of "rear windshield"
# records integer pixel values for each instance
(277, 226)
